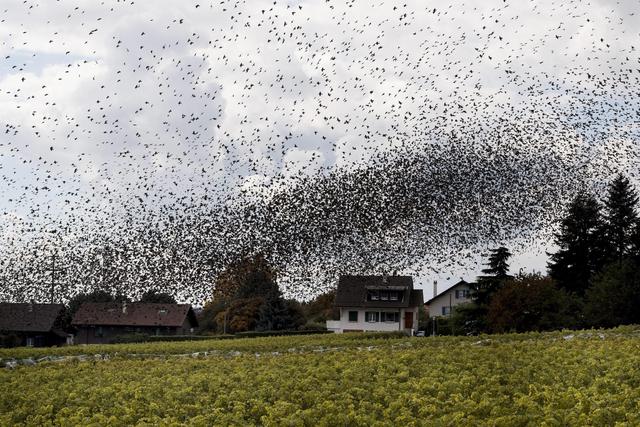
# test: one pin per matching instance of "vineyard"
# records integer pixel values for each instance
(561, 378)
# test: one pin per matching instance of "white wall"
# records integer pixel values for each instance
(340, 325)
(445, 299)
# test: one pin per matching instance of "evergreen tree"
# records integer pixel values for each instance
(635, 242)
(579, 255)
(274, 315)
(498, 268)
(495, 274)
(620, 218)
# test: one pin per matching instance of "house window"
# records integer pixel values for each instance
(29, 342)
(99, 332)
(373, 296)
(446, 310)
(380, 295)
(390, 317)
(372, 316)
(353, 316)
(462, 293)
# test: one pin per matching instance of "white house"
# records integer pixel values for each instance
(376, 303)
(441, 304)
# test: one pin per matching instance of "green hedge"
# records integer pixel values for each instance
(8, 340)
(250, 334)
(135, 338)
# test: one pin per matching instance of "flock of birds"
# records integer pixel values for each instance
(150, 146)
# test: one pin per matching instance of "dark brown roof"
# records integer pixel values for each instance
(352, 291)
(27, 317)
(133, 314)
(460, 283)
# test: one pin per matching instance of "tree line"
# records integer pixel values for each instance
(246, 297)
(592, 280)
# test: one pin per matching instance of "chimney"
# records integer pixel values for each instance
(124, 307)
(435, 288)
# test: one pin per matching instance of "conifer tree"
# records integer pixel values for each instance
(635, 242)
(620, 218)
(495, 274)
(498, 267)
(579, 240)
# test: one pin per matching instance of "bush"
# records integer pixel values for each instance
(313, 326)
(384, 335)
(466, 319)
(614, 297)
(251, 334)
(530, 302)
(9, 340)
(133, 338)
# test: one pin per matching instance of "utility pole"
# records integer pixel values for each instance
(53, 276)
(224, 327)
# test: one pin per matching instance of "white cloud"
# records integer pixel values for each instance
(166, 97)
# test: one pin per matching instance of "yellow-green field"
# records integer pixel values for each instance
(562, 378)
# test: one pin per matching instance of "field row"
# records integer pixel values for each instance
(582, 378)
(299, 343)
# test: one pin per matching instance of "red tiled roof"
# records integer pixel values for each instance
(133, 314)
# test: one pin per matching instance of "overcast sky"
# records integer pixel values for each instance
(106, 103)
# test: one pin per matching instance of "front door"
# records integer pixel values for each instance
(408, 319)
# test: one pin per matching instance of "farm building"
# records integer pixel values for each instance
(99, 323)
(31, 324)
(376, 303)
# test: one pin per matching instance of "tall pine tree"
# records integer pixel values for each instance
(635, 242)
(497, 267)
(579, 240)
(620, 218)
(496, 273)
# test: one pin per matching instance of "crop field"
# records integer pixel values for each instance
(560, 378)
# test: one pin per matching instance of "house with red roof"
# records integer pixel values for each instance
(100, 323)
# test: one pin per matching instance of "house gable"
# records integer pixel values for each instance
(377, 292)
(29, 317)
